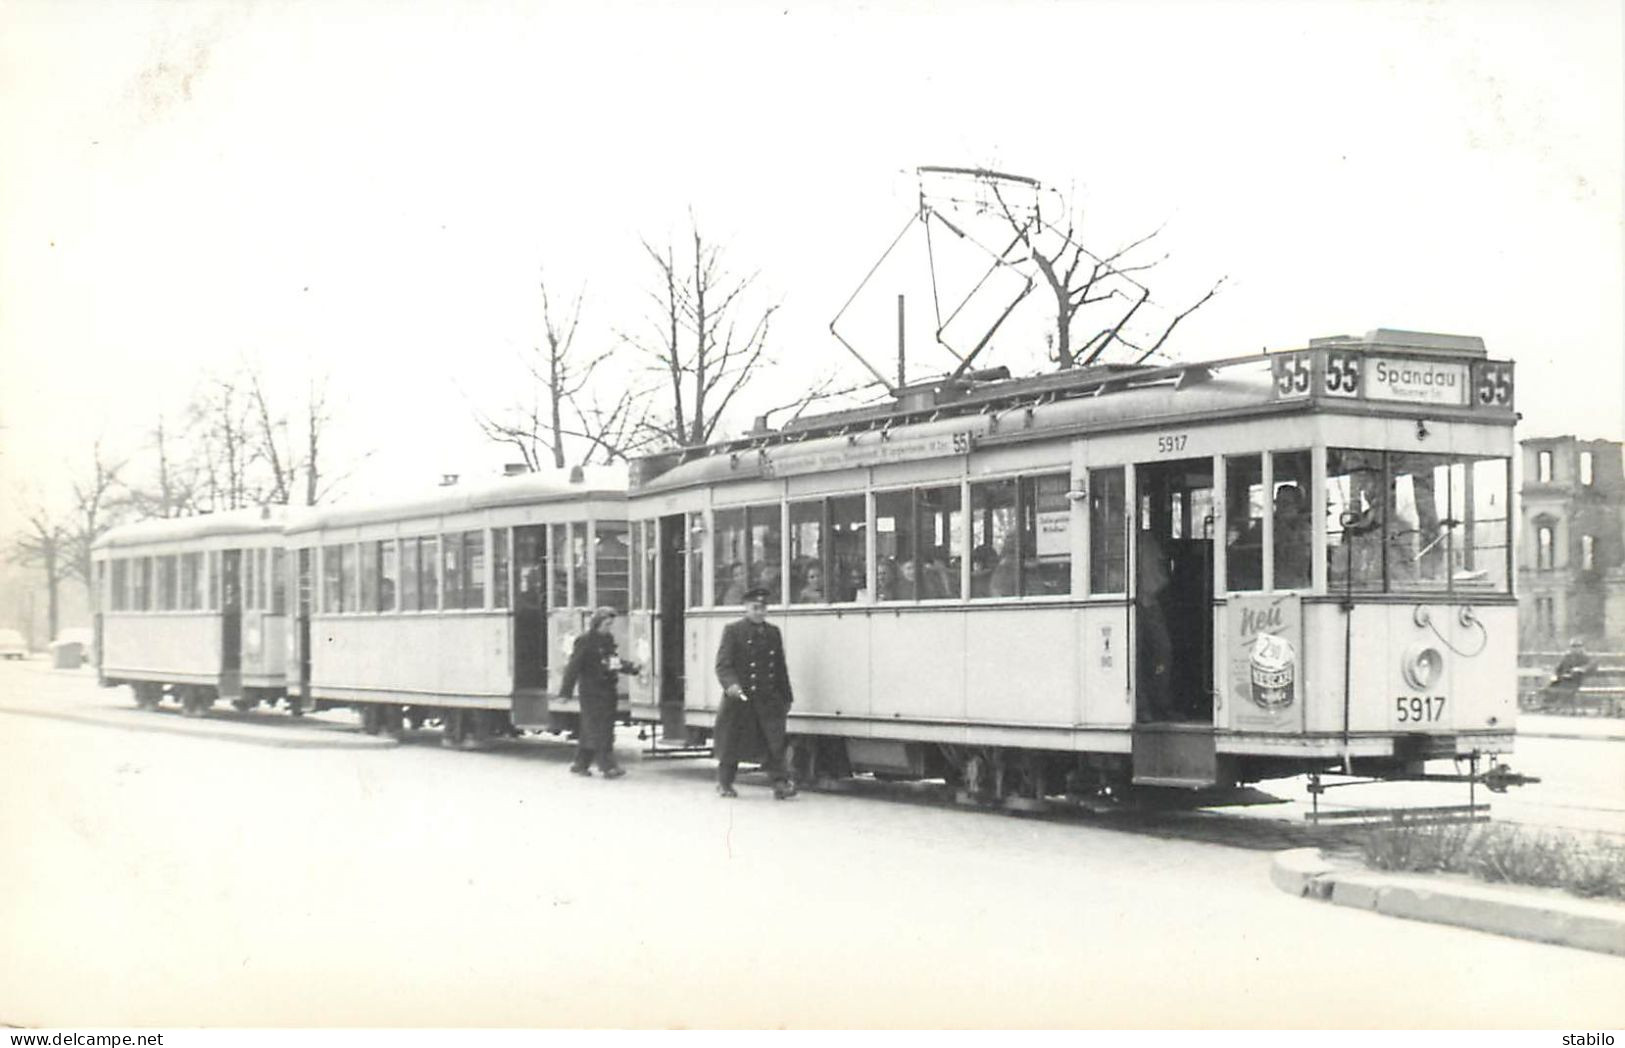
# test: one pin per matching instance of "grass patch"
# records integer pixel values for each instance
(1592, 865)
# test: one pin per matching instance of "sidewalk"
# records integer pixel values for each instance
(1541, 914)
(1548, 726)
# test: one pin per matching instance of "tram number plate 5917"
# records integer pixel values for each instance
(1171, 442)
(1419, 709)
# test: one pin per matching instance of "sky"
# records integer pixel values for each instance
(373, 192)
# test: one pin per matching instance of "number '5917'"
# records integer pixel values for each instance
(1418, 709)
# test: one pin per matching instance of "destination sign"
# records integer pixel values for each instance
(1416, 381)
(869, 450)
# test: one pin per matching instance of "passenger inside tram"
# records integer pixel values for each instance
(768, 577)
(811, 590)
(737, 581)
(1291, 538)
(907, 586)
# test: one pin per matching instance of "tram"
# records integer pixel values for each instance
(1192, 576)
(460, 606)
(193, 609)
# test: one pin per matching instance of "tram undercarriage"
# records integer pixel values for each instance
(1022, 778)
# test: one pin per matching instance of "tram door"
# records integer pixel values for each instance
(1173, 742)
(671, 604)
(530, 607)
(231, 621)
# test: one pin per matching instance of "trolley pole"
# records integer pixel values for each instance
(900, 379)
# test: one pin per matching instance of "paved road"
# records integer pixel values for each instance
(174, 872)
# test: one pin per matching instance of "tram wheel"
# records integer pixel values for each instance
(371, 720)
(389, 719)
(455, 725)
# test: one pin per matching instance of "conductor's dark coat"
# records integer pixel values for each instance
(751, 655)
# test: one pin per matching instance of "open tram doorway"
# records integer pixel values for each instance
(1173, 598)
(671, 603)
(530, 608)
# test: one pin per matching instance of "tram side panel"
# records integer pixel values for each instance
(463, 659)
(168, 647)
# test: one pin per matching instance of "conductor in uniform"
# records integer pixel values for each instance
(756, 697)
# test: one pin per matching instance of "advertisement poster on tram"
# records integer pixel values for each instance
(1263, 646)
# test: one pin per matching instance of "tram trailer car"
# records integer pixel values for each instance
(193, 609)
(459, 607)
(1193, 576)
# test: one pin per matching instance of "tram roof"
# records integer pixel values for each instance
(595, 482)
(233, 523)
(1110, 398)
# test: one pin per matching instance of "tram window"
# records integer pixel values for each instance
(1244, 517)
(143, 600)
(529, 560)
(730, 557)
(1290, 507)
(409, 574)
(332, 579)
(214, 580)
(1486, 538)
(1355, 486)
(121, 579)
(352, 578)
(559, 570)
(166, 583)
(279, 582)
(634, 568)
(848, 549)
(696, 559)
(650, 562)
(187, 584)
(499, 567)
(371, 554)
(995, 554)
(474, 569)
(455, 588)
(939, 542)
(429, 572)
(388, 574)
(1107, 532)
(580, 595)
(765, 526)
(1421, 532)
(610, 557)
(1046, 536)
(896, 570)
(807, 567)
(250, 577)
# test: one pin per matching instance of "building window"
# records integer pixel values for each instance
(1588, 553)
(1545, 619)
(1543, 467)
(1543, 548)
(1587, 465)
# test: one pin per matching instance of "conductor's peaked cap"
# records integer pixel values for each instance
(756, 595)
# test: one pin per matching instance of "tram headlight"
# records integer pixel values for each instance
(1422, 666)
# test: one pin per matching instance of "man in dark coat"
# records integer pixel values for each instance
(594, 664)
(756, 697)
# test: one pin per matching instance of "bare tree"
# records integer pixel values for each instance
(702, 337)
(1078, 279)
(45, 543)
(95, 510)
(560, 405)
(271, 436)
